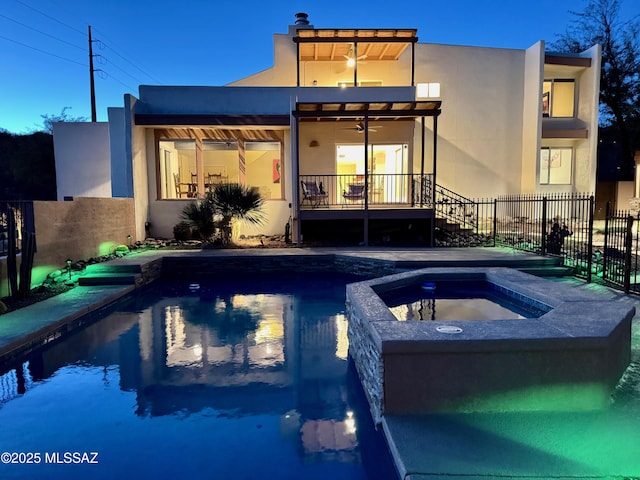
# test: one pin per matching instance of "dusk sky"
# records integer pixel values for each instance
(44, 46)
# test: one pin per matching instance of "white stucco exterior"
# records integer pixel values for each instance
(489, 134)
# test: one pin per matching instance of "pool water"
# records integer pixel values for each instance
(233, 379)
(456, 300)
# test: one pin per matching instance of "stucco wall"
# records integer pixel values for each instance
(532, 117)
(82, 157)
(480, 128)
(78, 229)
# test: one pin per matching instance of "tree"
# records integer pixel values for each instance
(27, 167)
(49, 120)
(600, 23)
(232, 201)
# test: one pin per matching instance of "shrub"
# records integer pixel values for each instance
(182, 231)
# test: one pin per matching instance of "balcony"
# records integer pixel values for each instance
(349, 196)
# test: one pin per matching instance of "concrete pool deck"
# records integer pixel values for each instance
(409, 437)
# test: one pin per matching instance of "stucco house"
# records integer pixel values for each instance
(348, 133)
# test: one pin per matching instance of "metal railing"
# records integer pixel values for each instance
(556, 224)
(20, 211)
(348, 191)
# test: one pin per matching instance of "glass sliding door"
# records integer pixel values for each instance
(388, 165)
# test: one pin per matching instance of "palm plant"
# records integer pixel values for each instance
(200, 217)
(232, 201)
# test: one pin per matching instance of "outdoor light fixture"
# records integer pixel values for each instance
(129, 239)
(69, 267)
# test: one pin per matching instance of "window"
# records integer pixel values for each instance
(264, 168)
(177, 168)
(558, 98)
(361, 83)
(428, 90)
(555, 166)
(251, 163)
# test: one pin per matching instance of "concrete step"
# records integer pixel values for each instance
(548, 271)
(113, 268)
(106, 278)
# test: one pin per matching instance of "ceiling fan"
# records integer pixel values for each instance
(351, 59)
(359, 127)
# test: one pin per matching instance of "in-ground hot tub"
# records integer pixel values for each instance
(567, 358)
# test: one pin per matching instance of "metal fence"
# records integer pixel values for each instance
(559, 224)
(616, 254)
(23, 212)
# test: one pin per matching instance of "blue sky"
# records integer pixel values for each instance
(44, 47)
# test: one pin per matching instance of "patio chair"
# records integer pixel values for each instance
(355, 194)
(313, 194)
(182, 188)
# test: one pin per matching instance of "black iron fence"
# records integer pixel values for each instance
(616, 250)
(559, 224)
(22, 212)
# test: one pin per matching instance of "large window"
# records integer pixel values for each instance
(558, 98)
(555, 166)
(181, 163)
(177, 168)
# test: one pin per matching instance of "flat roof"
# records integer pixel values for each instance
(328, 44)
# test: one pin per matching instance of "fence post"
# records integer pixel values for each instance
(628, 241)
(606, 241)
(544, 226)
(495, 220)
(590, 239)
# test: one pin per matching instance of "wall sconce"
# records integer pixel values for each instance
(314, 143)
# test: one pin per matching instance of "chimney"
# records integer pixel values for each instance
(302, 18)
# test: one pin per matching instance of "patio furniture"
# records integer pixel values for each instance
(182, 189)
(313, 194)
(355, 194)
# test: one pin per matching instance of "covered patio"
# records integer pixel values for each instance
(366, 194)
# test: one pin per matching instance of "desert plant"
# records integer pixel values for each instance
(232, 201)
(199, 215)
(182, 231)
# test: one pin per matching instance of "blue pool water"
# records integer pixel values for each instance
(235, 379)
(447, 300)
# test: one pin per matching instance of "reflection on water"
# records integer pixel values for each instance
(271, 353)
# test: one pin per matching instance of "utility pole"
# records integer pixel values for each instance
(93, 85)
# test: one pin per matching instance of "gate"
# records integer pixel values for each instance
(618, 262)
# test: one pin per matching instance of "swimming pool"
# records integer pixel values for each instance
(233, 379)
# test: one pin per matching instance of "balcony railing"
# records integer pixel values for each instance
(380, 191)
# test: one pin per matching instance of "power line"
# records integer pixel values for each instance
(43, 51)
(118, 80)
(52, 18)
(129, 62)
(41, 32)
(107, 61)
(103, 43)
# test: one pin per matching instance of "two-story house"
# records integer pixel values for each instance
(348, 133)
